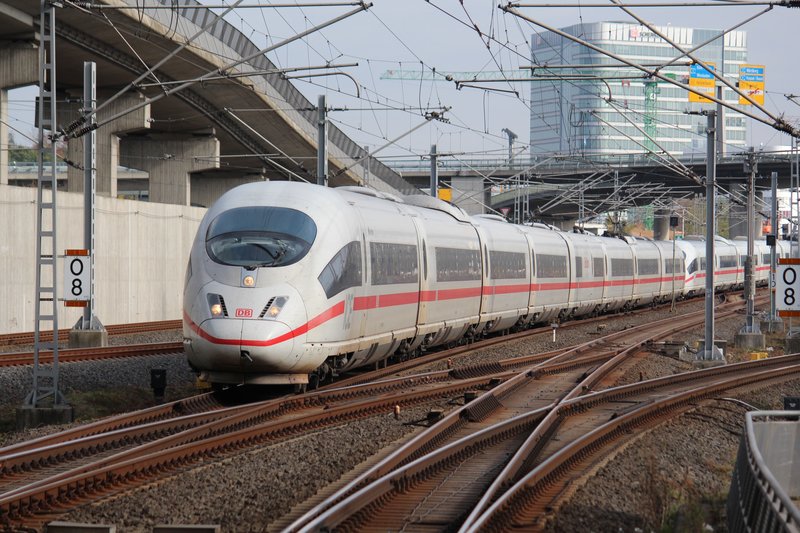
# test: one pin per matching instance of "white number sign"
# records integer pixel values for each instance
(77, 277)
(787, 286)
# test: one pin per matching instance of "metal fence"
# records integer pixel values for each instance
(760, 500)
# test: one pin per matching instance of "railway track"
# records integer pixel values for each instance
(154, 444)
(451, 474)
(11, 339)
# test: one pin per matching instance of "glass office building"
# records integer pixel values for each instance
(571, 112)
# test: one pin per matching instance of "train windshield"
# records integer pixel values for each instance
(254, 237)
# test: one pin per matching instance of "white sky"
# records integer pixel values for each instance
(417, 34)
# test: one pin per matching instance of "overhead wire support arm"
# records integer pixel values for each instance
(92, 5)
(460, 85)
(228, 75)
(321, 74)
(220, 71)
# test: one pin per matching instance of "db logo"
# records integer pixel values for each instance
(244, 313)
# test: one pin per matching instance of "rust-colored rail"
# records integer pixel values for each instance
(538, 493)
(90, 354)
(10, 339)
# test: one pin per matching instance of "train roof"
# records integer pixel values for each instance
(416, 200)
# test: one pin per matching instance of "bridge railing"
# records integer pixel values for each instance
(767, 474)
(544, 164)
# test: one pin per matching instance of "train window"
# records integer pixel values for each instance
(742, 259)
(343, 271)
(260, 236)
(673, 265)
(393, 263)
(703, 264)
(599, 267)
(578, 266)
(648, 266)
(551, 266)
(621, 267)
(692, 268)
(455, 264)
(765, 259)
(507, 265)
(727, 261)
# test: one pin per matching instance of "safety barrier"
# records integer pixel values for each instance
(767, 474)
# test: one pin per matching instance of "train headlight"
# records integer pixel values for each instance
(248, 278)
(217, 306)
(275, 306)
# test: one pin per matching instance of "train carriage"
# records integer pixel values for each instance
(647, 278)
(550, 274)
(728, 268)
(620, 271)
(452, 273)
(587, 273)
(506, 281)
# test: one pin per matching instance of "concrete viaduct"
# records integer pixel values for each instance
(248, 124)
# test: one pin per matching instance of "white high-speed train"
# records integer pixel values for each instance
(288, 281)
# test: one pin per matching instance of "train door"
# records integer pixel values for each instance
(424, 269)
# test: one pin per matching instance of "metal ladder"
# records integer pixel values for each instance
(45, 380)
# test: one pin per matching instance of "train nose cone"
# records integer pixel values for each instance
(270, 344)
(244, 346)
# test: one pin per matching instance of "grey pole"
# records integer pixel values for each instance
(720, 133)
(750, 325)
(322, 143)
(511, 137)
(710, 351)
(775, 321)
(367, 170)
(434, 173)
(750, 335)
(89, 181)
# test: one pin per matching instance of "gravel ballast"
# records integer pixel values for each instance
(676, 474)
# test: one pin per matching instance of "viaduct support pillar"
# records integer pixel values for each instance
(19, 66)
(170, 159)
(470, 194)
(661, 225)
(737, 216)
(107, 143)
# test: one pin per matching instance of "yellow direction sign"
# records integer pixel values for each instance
(751, 83)
(703, 81)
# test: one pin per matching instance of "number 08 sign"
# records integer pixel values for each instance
(787, 287)
(77, 278)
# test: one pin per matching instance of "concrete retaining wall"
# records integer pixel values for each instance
(141, 250)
